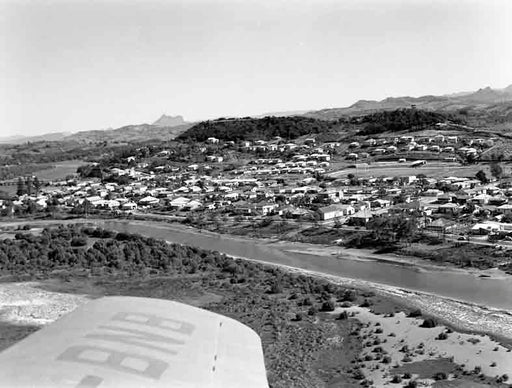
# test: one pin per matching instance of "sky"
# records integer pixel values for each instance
(84, 65)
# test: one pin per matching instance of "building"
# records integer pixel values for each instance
(335, 211)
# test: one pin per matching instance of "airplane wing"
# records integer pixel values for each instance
(137, 342)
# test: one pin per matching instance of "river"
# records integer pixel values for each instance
(494, 293)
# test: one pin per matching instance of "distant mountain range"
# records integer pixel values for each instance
(481, 99)
(165, 128)
(492, 102)
(169, 121)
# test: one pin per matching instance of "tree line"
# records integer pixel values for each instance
(257, 128)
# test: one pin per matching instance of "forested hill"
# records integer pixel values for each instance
(292, 127)
(402, 120)
(257, 128)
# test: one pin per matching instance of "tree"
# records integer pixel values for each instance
(21, 187)
(496, 170)
(28, 185)
(37, 185)
(480, 175)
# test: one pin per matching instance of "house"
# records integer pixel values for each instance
(330, 194)
(361, 217)
(505, 209)
(129, 206)
(178, 203)
(335, 211)
(149, 201)
(440, 225)
(448, 208)
(192, 205)
(266, 208)
(369, 142)
(380, 203)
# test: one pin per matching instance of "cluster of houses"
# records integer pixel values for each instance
(290, 187)
(448, 145)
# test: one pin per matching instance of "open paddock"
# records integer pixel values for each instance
(437, 170)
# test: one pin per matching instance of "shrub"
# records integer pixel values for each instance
(328, 305)
(429, 323)
(440, 376)
(442, 336)
(276, 287)
(366, 303)
(415, 313)
(396, 379)
(349, 296)
(343, 316)
(407, 358)
(121, 236)
(312, 310)
(78, 241)
(358, 375)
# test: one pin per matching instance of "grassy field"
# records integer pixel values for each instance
(60, 171)
(399, 169)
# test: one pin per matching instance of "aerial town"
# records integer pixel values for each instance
(256, 194)
(328, 183)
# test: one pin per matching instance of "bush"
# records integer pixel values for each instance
(396, 379)
(366, 303)
(312, 310)
(429, 323)
(442, 336)
(349, 296)
(440, 376)
(276, 287)
(78, 241)
(121, 236)
(415, 313)
(343, 316)
(328, 305)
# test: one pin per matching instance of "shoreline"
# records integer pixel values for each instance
(459, 314)
(454, 313)
(321, 250)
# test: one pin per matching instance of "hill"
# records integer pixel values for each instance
(169, 121)
(398, 120)
(253, 128)
(129, 133)
(288, 128)
(165, 128)
(477, 101)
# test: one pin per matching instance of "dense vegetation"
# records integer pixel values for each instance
(254, 129)
(401, 120)
(282, 307)
(293, 127)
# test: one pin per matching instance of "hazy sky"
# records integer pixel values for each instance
(80, 65)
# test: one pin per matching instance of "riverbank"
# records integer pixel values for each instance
(317, 249)
(289, 307)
